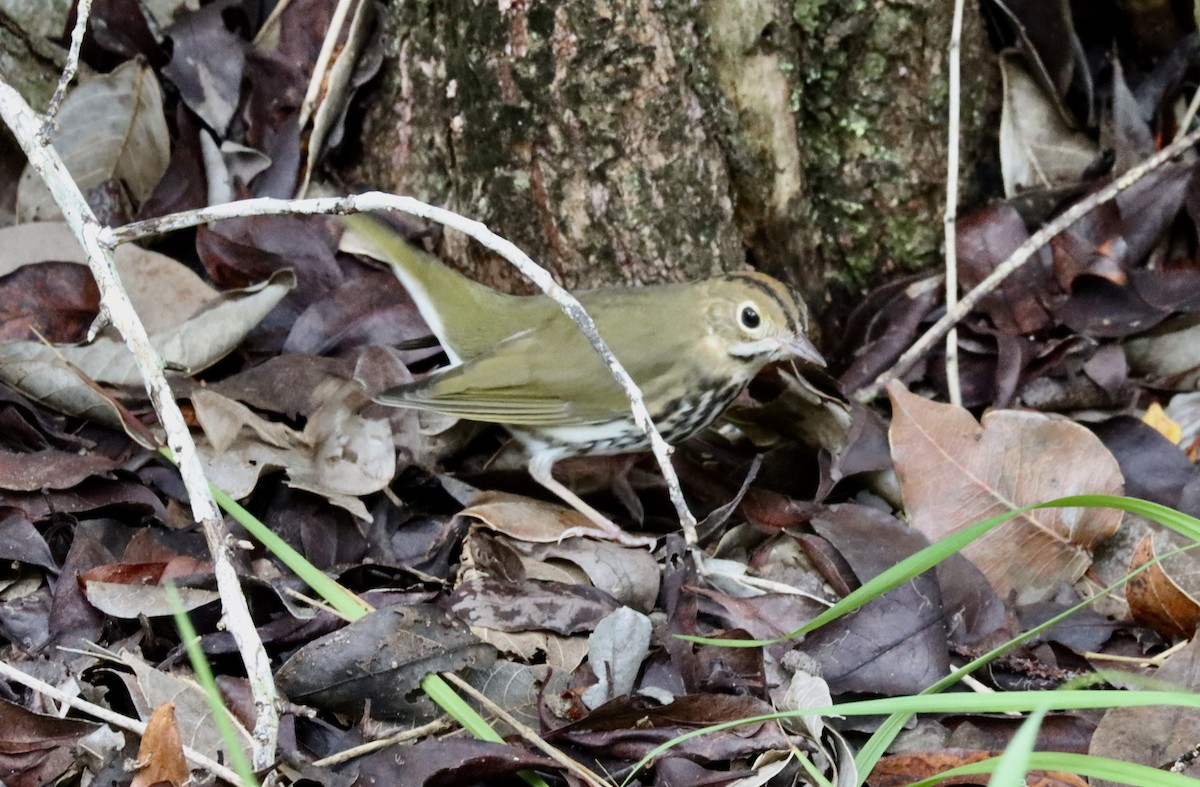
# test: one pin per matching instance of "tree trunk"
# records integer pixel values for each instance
(629, 141)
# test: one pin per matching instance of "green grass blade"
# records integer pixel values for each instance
(204, 676)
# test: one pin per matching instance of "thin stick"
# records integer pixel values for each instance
(25, 125)
(117, 720)
(346, 755)
(82, 12)
(376, 200)
(953, 385)
(529, 735)
(1023, 254)
(1188, 116)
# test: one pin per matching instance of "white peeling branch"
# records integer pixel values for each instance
(376, 200)
(116, 719)
(26, 126)
(950, 218)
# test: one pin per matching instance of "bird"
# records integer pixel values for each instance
(520, 362)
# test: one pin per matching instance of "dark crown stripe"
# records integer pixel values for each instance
(787, 304)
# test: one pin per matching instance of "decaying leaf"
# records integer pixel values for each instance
(145, 274)
(1155, 735)
(339, 454)
(955, 471)
(149, 688)
(1164, 596)
(380, 661)
(160, 757)
(615, 651)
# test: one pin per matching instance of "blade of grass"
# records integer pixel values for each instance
(204, 676)
(1185, 525)
(352, 608)
(1082, 764)
(1014, 763)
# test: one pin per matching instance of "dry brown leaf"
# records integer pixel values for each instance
(40, 373)
(145, 274)
(1038, 150)
(1163, 596)
(902, 769)
(340, 455)
(160, 759)
(524, 518)
(111, 126)
(150, 687)
(955, 472)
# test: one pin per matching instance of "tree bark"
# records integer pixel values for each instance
(629, 141)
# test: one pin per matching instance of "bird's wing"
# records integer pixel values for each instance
(514, 384)
(550, 375)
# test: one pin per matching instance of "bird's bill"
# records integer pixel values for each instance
(800, 346)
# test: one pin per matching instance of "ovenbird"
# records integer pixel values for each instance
(520, 362)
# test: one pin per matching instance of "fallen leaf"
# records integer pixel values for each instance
(1038, 149)
(111, 126)
(160, 759)
(1155, 735)
(1164, 596)
(955, 472)
(380, 660)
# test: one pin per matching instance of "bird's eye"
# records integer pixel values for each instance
(749, 317)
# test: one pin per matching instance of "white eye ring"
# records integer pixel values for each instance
(750, 318)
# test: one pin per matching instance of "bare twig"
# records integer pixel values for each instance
(1023, 254)
(25, 125)
(117, 720)
(82, 12)
(375, 200)
(346, 755)
(953, 385)
(1190, 114)
(529, 735)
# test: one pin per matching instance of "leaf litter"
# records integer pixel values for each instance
(466, 565)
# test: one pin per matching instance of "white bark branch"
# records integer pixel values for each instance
(26, 126)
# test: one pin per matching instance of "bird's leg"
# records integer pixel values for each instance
(540, 468)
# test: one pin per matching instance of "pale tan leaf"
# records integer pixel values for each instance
(1038, 149)
(145, 274)
(562, 653)
(1168, 355)
(524, 518)
(40, 373)
(129, 602)
(340, 455)
(160, 759)
(111, 126)
(149, 688)
(955, 472)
